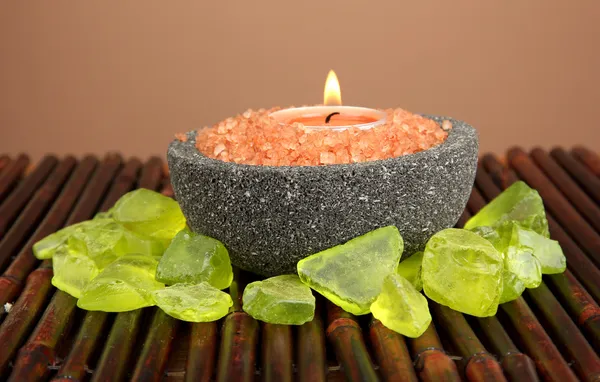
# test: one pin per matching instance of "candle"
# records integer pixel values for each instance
(331, 116)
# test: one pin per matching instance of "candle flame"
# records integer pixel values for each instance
(333, 94)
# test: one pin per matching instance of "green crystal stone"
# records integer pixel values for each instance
(193, 302)
(510, 239)
(547, 251)
(520, 261)
(463, 271)
(279, 300)
(193, 258)
(150, 214)
(512, 287)
(72, 272)
(126, 284)
(103, 240)
(104, 215)
(410, 269)
(45, 248)
(518, 203)
(401, 308)
(351, 275)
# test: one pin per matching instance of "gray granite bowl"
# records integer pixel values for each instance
(270, 217)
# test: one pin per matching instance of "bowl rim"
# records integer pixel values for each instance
(460, 129)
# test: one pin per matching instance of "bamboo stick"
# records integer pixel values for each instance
(11, 174)
(152, 174)
(311, 353)
(49, 330)
(581, 305)
(22, 317)
(113, 362)
(585, 361)
(578, 262)
(561, 179)
(345, 336)
(33, 359)
(476, 201)
(479, 364)
(12, 279)
(4, 161)
(237, 354)
(391, 353)
(547, 357)
(585, 177)
(34, 211)
(276, 353)
(202, 353)
(517, 366)
(155, 351)
(587, 157)
(13, 205)
(556, 203)
(75, 365)
(239, 338)
(464, 217)
(123, 183)
(431, 361)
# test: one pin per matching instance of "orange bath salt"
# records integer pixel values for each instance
(255, 138)
(182, 137)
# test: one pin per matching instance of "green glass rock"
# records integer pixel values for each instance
(512, 287)
(547, 251)
(45, 248)
(520, 261)
(401, 308)
(351, 275)
(463, 271)
(72, 272)
(193, 302)
(519, 257)
(281, 300)
(149, 213)
(518, 203)
(410, 269)
(126, 284)
(193, 258)
(103, 240)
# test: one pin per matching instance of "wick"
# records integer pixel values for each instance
(329, 116)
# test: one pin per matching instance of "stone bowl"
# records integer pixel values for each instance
(271, 217)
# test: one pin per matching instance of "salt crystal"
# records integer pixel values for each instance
(254, 137)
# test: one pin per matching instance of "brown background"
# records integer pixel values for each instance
(92, 76)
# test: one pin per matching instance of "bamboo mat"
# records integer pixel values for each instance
(550, 333)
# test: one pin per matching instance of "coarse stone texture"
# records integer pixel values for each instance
(270, 217)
